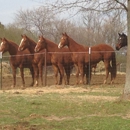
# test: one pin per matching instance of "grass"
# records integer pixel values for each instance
(64, 111)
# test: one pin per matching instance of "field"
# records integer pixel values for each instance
(81, 107)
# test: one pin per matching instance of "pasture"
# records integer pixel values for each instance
(58, 107)
(96, 107)
(63, 107)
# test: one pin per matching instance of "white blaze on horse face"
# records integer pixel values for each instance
(21, 42)
(59, 45)
(1, 45)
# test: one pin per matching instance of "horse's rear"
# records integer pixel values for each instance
(107, 54)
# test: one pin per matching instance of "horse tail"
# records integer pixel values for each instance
(114, 69)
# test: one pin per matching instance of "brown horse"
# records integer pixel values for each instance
(17, 59)
(38, 58)
(60, 58)
(26, 42)
(100, 52)
(122, 41)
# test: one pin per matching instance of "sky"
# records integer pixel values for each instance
(9, 8)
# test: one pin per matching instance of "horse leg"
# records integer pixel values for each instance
(41, 73)
(81, 70)
(33, 74)
(55, 68)
(67, 71)
(60, 66)
(22, 76)
(107, 67)
(88, 73)
(14, 77)
(36, 73)
(77, 74)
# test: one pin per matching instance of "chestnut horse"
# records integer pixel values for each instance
(122, 41)
(26, 42)
(60, 58)
(100, 52)
(38, 58)
(17, 59)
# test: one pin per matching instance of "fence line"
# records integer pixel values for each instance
(120, 56)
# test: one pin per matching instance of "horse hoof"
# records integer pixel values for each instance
(23, 86)
(31, 84)
(13, 86)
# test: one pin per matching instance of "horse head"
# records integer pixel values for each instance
(4, 46)
(41, 44)
(24, 43)
(122, 41)
(63, 41)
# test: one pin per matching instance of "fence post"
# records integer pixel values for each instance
(45, 69)
(1, 70)
(89, 65)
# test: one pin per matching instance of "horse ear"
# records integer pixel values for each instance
(65, 34)
(0, 38)
(119, 34)
(21, 35)
(4, 39)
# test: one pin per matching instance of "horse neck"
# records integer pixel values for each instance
(13, 48)
(31, 46)
(74, 46)
(51, 46)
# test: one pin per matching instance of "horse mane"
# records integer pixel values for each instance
(13, 43)
(32, 41)
(81, 46)
(51, 43)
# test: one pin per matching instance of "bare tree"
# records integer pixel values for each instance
(37, 20)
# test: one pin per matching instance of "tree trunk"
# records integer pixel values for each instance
(126, 92)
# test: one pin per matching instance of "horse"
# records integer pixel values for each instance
(99, 52)
(17, 59)
(122, 41)
(38, 58)
(26, 42)
(60, 58)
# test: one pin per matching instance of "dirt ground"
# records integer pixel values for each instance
(96, 80)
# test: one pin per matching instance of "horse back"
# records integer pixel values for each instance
(101, 52)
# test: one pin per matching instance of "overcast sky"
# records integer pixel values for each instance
(8, 9)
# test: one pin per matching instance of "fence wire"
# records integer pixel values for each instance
(6, 78)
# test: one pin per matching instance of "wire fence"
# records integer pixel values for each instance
(98, 72)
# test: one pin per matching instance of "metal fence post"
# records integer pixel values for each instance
(89, 65)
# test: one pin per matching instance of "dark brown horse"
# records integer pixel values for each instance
(17, 59)
(122, 41)
(100, 52)
(60, 58)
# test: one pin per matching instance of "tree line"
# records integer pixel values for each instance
(87, 28)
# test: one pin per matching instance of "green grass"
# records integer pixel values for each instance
(66, 111)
